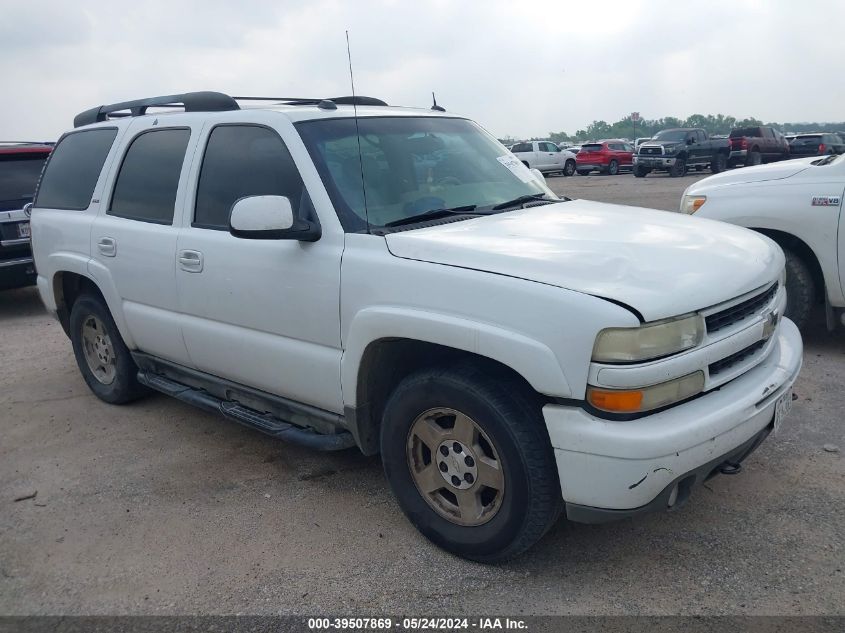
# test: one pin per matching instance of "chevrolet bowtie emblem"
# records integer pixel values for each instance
(770, 325)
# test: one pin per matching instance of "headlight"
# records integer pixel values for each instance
(646, 398)
(691, 204)
(649, 341)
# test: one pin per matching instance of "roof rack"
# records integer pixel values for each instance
(203, 102)
(356, 100)
(191, 101)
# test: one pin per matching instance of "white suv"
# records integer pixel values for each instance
(338, 273)
(545, 156)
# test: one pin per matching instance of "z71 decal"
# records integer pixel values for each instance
(826, 201)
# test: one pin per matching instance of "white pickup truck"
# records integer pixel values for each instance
(798, 204)
(339, 273)
(545, 156)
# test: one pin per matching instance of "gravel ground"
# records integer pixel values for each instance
(160, 508)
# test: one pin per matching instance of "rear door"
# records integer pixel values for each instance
(134, 235)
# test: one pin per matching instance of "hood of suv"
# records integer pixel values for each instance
(759, 173)
(659, 263)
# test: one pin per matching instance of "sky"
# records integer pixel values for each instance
(521, 69)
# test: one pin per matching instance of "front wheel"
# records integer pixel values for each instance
(640, 172)
(679, 168)
(569, 168)
(102, 356)
(469, 460)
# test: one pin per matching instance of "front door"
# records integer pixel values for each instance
(263, 313)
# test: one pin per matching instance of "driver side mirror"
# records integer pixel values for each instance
(270, 218)
(690, 141)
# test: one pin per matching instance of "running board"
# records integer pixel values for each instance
(264, 422)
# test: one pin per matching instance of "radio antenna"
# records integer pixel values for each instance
(357, 133)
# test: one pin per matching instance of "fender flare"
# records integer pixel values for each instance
(530, 358)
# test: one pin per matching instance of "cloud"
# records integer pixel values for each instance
(520, 69)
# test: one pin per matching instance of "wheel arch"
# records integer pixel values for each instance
(384, 344)
(788, 241)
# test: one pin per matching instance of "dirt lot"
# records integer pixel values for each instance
(159, 508)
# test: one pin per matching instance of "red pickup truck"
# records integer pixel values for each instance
(755, 145)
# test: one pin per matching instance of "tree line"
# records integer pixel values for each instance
(714, 124)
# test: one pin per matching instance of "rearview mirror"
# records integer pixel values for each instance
(269, 218)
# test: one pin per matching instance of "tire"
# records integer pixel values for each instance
(699, 168)
(118, 379)
(718, 163)
(640, 172)
(583, 172)
(800, 289)
(569, 168)
(612, 168)
(753, 158)
(513, 431)
(679, 168)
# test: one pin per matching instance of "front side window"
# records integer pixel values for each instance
(241, 161)
(146, 186)
(412, 165)
(74, 168)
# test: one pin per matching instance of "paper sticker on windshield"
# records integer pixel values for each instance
(826, 201)
(517, 167)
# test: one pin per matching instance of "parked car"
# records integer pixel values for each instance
(640, 141)
(816, 144)
(386, 281)
(798, 204)
(678, 149)
(545, 156)
(608, 157)
(755, 145)
(569, 148)
(20, 168)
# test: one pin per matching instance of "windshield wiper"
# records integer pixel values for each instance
(826, 160)
(432, 214)
(531, 197)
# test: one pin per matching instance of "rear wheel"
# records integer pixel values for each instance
(102, 356)
(613, 168)
(470, 462)
(800, 289)
(718, 163)
(569, 168)
(754, 158)
(679, 168)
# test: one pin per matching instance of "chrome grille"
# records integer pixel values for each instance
(741, 311)
(651, 151)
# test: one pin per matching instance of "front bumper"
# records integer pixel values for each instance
(16, 272)
(654, 162)
(612, 469)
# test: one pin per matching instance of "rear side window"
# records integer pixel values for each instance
(591, 147)
(73, 169)
(18, 178)
(240, 161)
(522, 147)
(146, 186)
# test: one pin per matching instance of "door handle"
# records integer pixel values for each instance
(190, 261)
(107, 246)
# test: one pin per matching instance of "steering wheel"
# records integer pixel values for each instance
(448, 181)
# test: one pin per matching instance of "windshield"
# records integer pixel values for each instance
(670, 135)
(412, 165)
